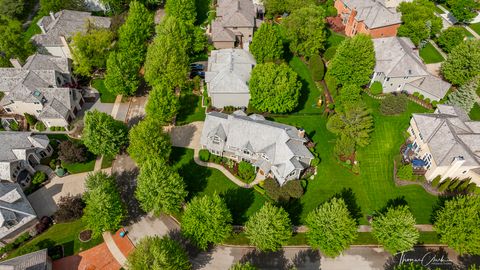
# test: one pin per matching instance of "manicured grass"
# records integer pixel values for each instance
(206, 181)
(430, 55)
(475, 112)
(334, 39)
(438, 10)
(475, 27)
(190, 108)
(310, 92)
(466, 32)
(65, 234)
(73, 168)
(105, 95)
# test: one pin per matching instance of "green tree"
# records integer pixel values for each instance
(184, 10)
(395, 229)
(207, 220)
(355, 122)
(344, 146)
(122, 74)
(158, 253)
(274, 88)
(419, 20)
(11, 43)
(47, 6)
(466, 95)
(104, 135)
(463, 10)
(457, 223)
(11, 8)
(167, 57)
(278, 7)
(354, 61)
(159, 188)
(104, 210)
(349, 95)
(450, 38)
(269, 228)
(305, 28)
(162, 104)
(243, 266)
(148, 141)
(267, 44)
(331, 229)
(463, 63)
(90, 50)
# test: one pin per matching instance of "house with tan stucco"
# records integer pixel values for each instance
(447, 143)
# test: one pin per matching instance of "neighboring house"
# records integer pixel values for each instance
(20, 153)
(227, 77)
(38, 260)
(377, 18)
(448, 143)
(58, 29)
(42, 87)
(399, 68)
(16, 213)
(276, 149)
(235, 23)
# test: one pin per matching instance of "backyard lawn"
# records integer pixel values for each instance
(65, 234)
(190, 108)
(475, 27)
(105, 95)
(206, 181)
(309, 93)
(430, 55)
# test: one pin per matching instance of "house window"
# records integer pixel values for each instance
(36, 102)
(8, 110)
(420, 135)
(246, 152)
(464, 172)
(388, 79)
(38, 111)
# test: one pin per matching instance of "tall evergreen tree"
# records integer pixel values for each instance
(466, 95)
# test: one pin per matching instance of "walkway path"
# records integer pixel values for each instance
(475, 34)
(450, 20)
(113, 248)
(444, 55)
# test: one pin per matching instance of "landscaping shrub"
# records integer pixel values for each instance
(332, 84)
(356, 168)
(259, 189)
(70, 152)
(53, 164)
(40, 126)
(70, 208)
(204, 155)
(317, 67)
(43, 225)
(376, 88)
(14, 126)
(394, 104)
(405, 172)
(315, 162)
(215, 158)
(464, 184)
(416, 94)
(444, 185)
(291, 189)
(436, 181)
(38, 178)
(471, 188)
(329, 53)
(454, 184)
(246, 171)
(31, 120)
(15, 244)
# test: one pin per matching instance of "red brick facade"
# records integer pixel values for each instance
(352, 26)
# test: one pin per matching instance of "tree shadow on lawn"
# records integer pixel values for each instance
(392, 203)
(238, 201)
(350, 200)
(441, 200)
(188, 103)
(304, 93)
(294, 208)
(126, 182)
(195, 177)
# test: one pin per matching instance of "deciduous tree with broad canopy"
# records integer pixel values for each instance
(11, 8)
(162, 104)
(269, 228)
(104, 135)
(148, 141)
(457, 223)
(354, 61)
(90, 50)
(305, 28)
(419, 20)
(184, 10)
(206, 220)
(463, 63)
(267, 44)
(158, 253)
(243, 266)
(450, 38)
(11, 43)
(274, 88)
(104, 210)
(466, 95)
(463, 10)
(160, 189)
(331, 229)
(395, 229)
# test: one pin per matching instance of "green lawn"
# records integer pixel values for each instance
(438, 10)
(204, 181)
(190, 108)
(334, 39)
(72, 168)
(310, 93)
(466, 32)
(105, 95)
(430, 55)
(475, 27)
(65, 234)
(475, 112)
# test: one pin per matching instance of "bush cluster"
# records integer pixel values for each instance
(57, 129)
(40, 126)
(70, 152)
(246, 171)
(394, 104)
(70, 208)
(31, 120)
(204, 155)
(454, 185)
(317, 68)
(405, 172)
(376, 88)
(15, 244)
(291, 189)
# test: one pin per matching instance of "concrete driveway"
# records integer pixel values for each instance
(150, 226)
(187, 136)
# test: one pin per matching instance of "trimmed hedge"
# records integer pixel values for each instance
(31, 119)
(332, 84)
(40, 126)
(436, 181)
(204, 155)
(444, 185)
(376, 88)
(394, 104)
(317, 67)
(330, 53)
(246, 171)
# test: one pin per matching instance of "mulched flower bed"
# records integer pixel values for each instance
(85, 236)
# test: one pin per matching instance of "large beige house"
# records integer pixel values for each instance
(447, 143)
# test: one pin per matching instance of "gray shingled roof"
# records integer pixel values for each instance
(19, 140)
(66, 23)
(47, 62)
(232, 13)
(374, 13)
(37, 260)
(279, 142)
(229, 71)
(398, 57)
(450, 133)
